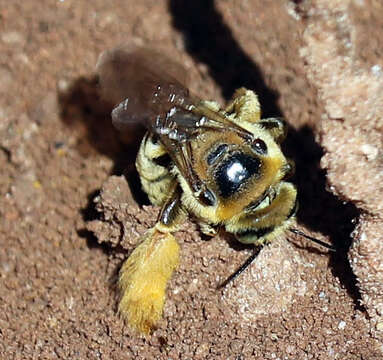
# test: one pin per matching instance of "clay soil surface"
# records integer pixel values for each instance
(71, 209)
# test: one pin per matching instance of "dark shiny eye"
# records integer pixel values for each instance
(235, 171)
(216, 153)
(259, 147)
(207, 198)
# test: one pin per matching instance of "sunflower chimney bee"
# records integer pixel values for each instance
(222, 166)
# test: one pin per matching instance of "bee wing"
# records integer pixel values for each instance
(143, 82)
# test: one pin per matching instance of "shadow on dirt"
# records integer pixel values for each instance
(320, 210)
(83, 110)
(209, 40)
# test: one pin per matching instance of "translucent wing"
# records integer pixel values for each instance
(143, 82)
(148, 88)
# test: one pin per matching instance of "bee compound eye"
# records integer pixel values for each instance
(207, 198)
(259, 146)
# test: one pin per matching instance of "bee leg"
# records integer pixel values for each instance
(244, 107)
(241, 269)
(239, 93)
(145, 274)
(276, 127)
(207, 229)
(261, 225)
(143, 279)
(155, 178)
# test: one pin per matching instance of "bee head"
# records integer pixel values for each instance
(238, 172)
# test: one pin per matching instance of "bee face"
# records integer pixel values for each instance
(239, 173)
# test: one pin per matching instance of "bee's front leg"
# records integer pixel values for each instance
(276, 127)
(145, 274)
(263, 223)
(245, 108)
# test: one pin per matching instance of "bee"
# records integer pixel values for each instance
(223, 167)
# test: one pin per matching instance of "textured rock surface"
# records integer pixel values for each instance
(66, 225)
(351, 131)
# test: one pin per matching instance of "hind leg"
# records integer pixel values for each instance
(145, 274)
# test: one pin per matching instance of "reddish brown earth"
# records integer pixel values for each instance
(66, 224)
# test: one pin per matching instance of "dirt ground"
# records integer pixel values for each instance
(71, 208)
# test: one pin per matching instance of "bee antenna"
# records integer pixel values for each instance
(241, 269)
(319, 242)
